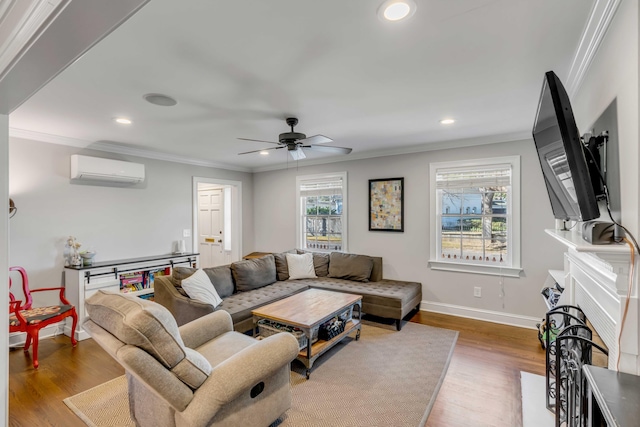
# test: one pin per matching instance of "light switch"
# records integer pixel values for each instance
(186, 232)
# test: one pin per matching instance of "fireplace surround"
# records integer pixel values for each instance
(596, 278)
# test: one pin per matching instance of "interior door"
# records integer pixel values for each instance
(210, 227)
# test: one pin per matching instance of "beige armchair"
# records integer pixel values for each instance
(199, 374)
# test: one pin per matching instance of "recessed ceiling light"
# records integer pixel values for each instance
(264, 153)
(447, 121)
(122, 120)
(160, 99)
(396, 10)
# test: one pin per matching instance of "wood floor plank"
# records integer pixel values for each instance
(482, 386)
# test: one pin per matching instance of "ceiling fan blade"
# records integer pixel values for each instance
(316, 139)
(258, 140)
(328, 148)
(297, 154)
(264, 149)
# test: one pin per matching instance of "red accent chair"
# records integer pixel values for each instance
(25, 318)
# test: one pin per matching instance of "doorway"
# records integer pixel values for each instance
(217, 221)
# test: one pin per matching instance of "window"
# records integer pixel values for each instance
(322, 212)
(475, 219)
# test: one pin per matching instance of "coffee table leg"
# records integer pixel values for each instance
(309, 361)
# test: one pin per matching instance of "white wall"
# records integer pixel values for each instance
(613, 76)
(405, 255)
(4, 261)
(117, 221)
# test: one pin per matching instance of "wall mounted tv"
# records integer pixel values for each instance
(562, 155)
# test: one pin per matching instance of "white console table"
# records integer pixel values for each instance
(83, 281)
(596, 279)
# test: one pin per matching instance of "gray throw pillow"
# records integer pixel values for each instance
(180, 273)
(255, 273)
(320, 262)
(222, 280)
(282, 268)
(350, 266)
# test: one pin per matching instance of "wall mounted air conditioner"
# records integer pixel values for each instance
(97, 169)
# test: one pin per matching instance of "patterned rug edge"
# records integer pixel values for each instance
(79, 412)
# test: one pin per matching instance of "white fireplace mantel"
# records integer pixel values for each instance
(597, 280)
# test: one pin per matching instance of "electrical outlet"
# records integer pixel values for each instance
(477, 292)
(186, 233)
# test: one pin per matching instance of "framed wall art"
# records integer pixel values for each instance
(386, 204)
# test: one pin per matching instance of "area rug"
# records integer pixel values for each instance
(386, 378)
(534, 409)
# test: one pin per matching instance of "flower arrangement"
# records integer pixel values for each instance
(73, 257)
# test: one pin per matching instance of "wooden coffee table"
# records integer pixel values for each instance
(307, 311)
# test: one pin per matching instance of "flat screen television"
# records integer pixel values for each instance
(562, 155)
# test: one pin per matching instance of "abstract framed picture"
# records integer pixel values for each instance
(386, 204)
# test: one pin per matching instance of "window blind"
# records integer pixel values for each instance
(323, 187)
(472, 177)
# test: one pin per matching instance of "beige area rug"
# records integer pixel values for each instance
(387, 378)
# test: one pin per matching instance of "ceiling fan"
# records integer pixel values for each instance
(294, 142)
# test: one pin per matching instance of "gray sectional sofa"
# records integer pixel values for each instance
(252, 283)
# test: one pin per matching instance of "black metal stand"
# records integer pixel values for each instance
(569, 345)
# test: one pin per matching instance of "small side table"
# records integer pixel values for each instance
(254, 255)
(612, 398)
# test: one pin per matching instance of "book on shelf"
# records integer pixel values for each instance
(139, 280)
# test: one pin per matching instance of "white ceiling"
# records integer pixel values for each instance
(239, 68)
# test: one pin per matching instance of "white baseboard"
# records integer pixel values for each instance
(480, 314)
(17, 339)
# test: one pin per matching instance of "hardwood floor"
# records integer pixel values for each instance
(482, 386)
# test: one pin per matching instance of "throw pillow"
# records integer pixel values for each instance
(199, 287)
(320, 262)
(282, 269)
(254, 273)
(181, 273)
(350, 266)
(301, 266)
(222, 279)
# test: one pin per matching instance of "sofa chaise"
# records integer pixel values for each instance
(252, 283)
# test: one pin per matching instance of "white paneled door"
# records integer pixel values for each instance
(211, 227)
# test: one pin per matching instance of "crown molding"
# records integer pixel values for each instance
(46, 137)
(430, 146)
(597, 25)
(21, 22)
(119, 149)
(158, 155)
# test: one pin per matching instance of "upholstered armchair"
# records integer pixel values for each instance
(200, 374)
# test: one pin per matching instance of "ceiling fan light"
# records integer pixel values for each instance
(264, 153)
(447, 121)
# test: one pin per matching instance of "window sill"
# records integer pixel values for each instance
(477, 269)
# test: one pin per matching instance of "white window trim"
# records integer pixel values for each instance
(343, 177)
(514, 206)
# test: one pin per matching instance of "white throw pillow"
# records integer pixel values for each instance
(301, 266)
(199, 287)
